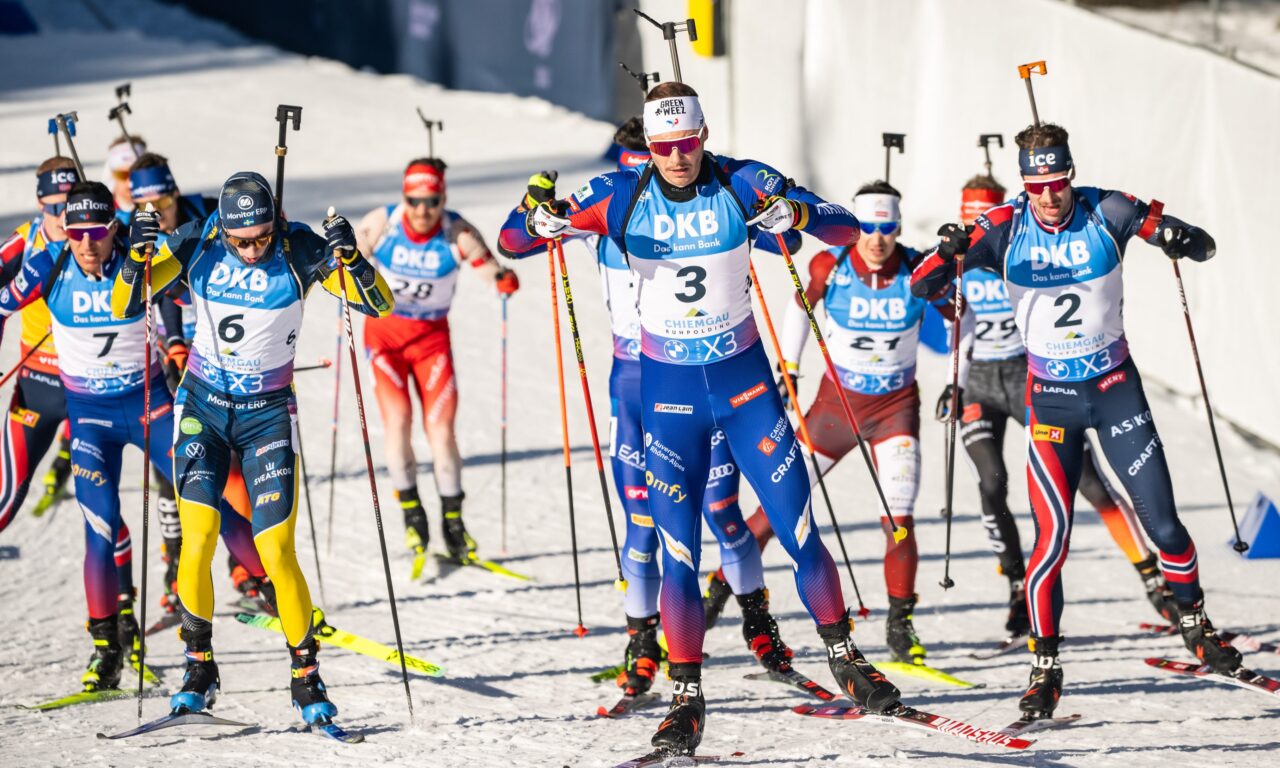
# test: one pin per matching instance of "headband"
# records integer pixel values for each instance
(679, 113)
(424, 176)
(90, 206)
(55, 182)
(1043, 161)
(123, 155)
(876, 207)
(975, 202)
(152, 181)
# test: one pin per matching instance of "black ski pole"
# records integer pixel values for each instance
(148, 351)
(892, 141)
(643, 79)
(984, 141)
(947, 582)
(1025, 71)
(669, 30)
(432, 126)
(504, 423)
(66, 123)
(333, 440)
(117, 113)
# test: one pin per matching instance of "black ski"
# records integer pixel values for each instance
(914, 718)
(333, 731)
(1244, 678)
(668, 760)
(166, 621)
(793, 678)
(628, 704)
(999, 649)
(175, 719)
(1028, 724)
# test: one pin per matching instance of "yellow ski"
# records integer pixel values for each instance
(336, 637)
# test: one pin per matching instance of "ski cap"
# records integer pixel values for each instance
(975, 202)
(151, 181)
(122, 156)
(425, 178)
(91, 204)
(56, 181)
(678, 113)
(245, 201)
(1044, 161)
(876, 207)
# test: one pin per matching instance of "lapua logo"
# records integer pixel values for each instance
(90, 301)
(682, 224)
(861, 308)
(1065, 255)
(244, 278)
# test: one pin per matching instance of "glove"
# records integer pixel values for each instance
(955, 241)
(785, 369)
(175, 360)
(143, 231)
(942, 411)
(546, 221)
(542, 188)
(507, 281)
(776, 214)
(1180, 242)
(341, 238)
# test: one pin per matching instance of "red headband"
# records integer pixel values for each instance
(422, 176)
(974, 202)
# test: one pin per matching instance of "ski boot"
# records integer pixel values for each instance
(200, 682)
(107, 659)
(1202, 639)
(715, 598)
(1158, 591)
(900, 632)
(760, 630)
(309, 695)
(643, 655)
(1044, 687)
(130, 635)
(55, 480)
(169, 551)
(456, 539)
(854, 674)
(256, 594)
(1018, 623)
(681, 730)
(416, 531)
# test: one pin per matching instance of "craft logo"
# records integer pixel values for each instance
(245, 202)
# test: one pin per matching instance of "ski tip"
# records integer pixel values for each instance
(899, 534)
(580, 631)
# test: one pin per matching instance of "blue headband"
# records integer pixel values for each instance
(55, 182)
(151, 181)
(1044, 161)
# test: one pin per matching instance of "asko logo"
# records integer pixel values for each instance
(1110, 381)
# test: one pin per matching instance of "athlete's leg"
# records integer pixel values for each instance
(438, 392)
(982, 431)
(626, 454)
(391, 389)
(739, 555)
(897, 461)
(1112, 507)
(36, 411)
(201, 455)
(97, 476)
(123, 558)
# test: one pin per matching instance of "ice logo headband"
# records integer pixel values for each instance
(678, 113)
(1043, 161)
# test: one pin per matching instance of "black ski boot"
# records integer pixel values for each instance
(900, 632)
(456, 539)
(681, 730)
(643, 655)
(309, 695)
(1158, 591)
(130, 635)
(854, 674)
(1044, 687)
(715, 598)
(106, 663)
(416, 531)
(760, 630)
(1018, 623)
(170, 549)
(55, 480)
(1202, 639)
(200, 682)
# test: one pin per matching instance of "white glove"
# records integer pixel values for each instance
(544, 222)
(777, 215)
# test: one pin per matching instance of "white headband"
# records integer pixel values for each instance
(871, 207)
(679, 113)
(123, 155)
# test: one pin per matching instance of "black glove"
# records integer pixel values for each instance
(542, 187)
(782, 386)
(942, 411)
(341, 238)
(1179, 242)
(143, 231)
(955, 241)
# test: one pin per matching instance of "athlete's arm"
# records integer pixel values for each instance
(366, 291)
(168, 265)
(11, 252)
(597, 207)
(1126, 216)
(472, 247)
(987, 243)
(369, 230)
(795, 321)
(28, 285)
(831, 223)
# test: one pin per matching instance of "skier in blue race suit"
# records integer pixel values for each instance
(684, 224)
(1060, 251)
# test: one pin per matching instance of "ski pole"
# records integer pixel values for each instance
(117, 113)
(642, 78)
(863, 611)
(984, 141)
(899, 533)
(947, 582)
(1025, 71)
(124, 91)
(148, 351)
(66, 123)
(504, 424)
(13, 371)
(320, 364)
(591, 416)
(311, 519)
(333, 442)
(892, 141)
(53, 130)
(669, 30)
(373, 483)
(432, 126)
(564, 433)
(1241, 545)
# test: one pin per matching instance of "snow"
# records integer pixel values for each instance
(517, 688)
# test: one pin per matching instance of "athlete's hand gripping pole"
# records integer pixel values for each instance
(1240, 546)
(368, 459)
(333, 438)
(503, 415)
(947, 582)
(863, 611)
(591, 416)
(899, 533)
(564, 434)
(1025, 71)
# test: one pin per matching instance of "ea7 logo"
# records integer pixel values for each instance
(266, 498)
(1043, 433)
(83, 302)
(244, 278)
(1063, 255)
(682, 225)
(1131, 423)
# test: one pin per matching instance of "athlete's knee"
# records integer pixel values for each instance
(993, 484)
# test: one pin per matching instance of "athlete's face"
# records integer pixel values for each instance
(680, 169)
(1051, 205)
(876, 248)
(423, 209)
(53, 221)
(165, 205)
(91, 254)
(251, 244)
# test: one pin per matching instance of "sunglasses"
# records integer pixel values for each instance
(883, 227)
(54, 209)
(417, 202)
(1038, 187)
(685, 146)
(121, 175)
(161, 203)
(95, 232)
(245, 242)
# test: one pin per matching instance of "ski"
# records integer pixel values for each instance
(1243, 642)
(926, 672)
(1029, 724)
(659, 757)
(794, 678)
(254, 605)
(83, 697)
(419, 562)
(914, 718)
(147, 674)
(1245, 678)
(174, 719)
(628, 704)
(330, 635)
(999, 649)
(329, 729)
(475, 562)
(166, 621)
